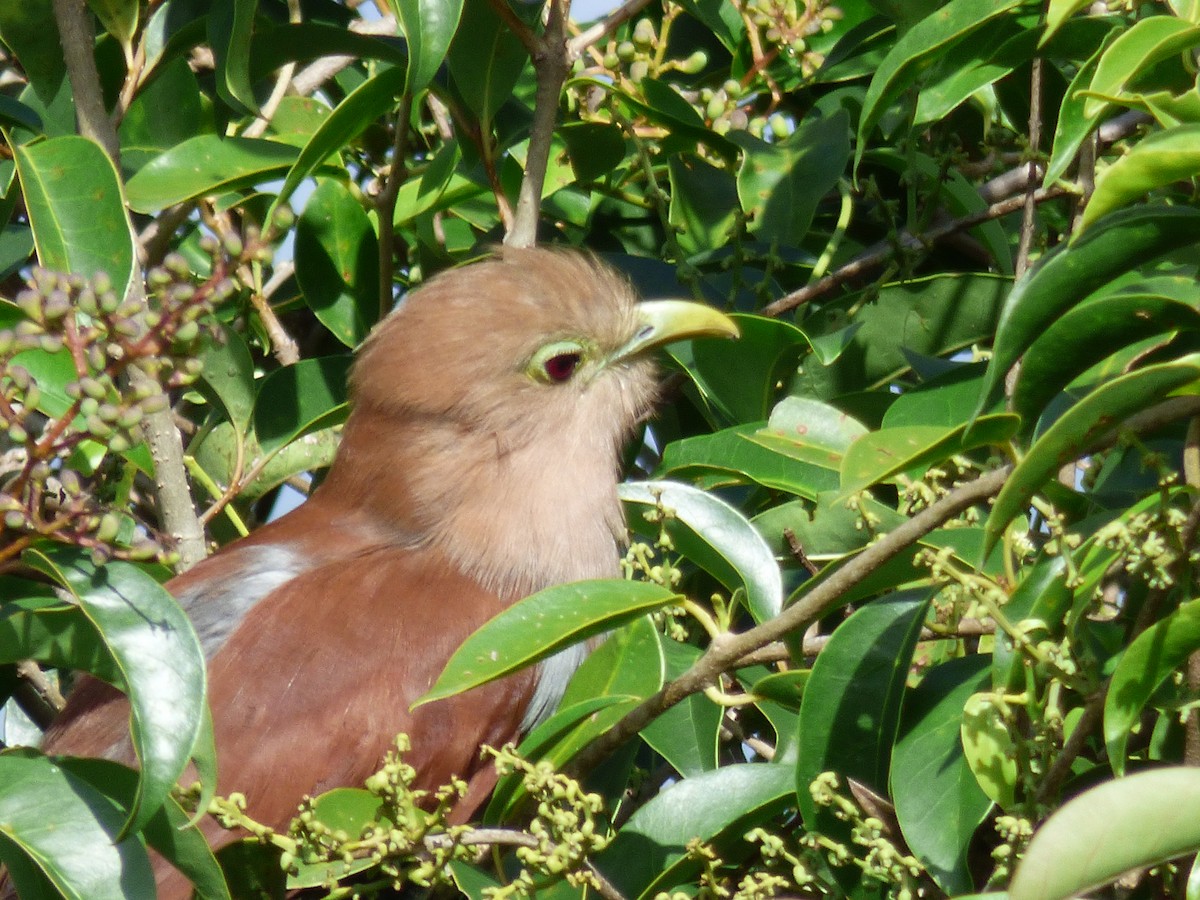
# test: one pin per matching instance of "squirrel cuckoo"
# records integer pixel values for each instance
(479, 464)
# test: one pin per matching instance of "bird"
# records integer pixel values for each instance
(479, 464)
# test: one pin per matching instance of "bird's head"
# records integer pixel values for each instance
(526, 337)
(490, 408)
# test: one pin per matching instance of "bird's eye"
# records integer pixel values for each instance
(561, 367)
(558, 362)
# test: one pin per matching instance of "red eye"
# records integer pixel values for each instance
(561, 367)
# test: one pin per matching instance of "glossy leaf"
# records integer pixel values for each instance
(228, 376)
(739, 377)
(1092, 331)
(160, 660)
(1155, 654)
(168, 832)
(540, 625)
(1070, 272)
(719, 539)
(68, 830)
(703, 203)
(348, 810)
(206, 165)
(648, 855)
(990, 749)
(1037, 607)
(1057, 12)
(931, 316)
(428, 27)
(914, 52)
(938, 802)
(1075, 430)
(1073, 124)
(732, 456)
(883, 454)
(851, 705)
(687, 734)
(810, 431)
(1141, 820)
(300, 399)
(30, 31)
(624, 670)
(780, 184)
(485, 60)
(362, 106)
(1146, 42)
(337, 262)
(119, 18)
(75, 209)
(826, 530)
(1156, 160)
(230, 27)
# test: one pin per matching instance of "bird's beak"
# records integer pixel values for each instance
(666, 321)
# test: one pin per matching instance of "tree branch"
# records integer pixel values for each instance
(725, 652)
(174, 499)
(552, 65)
(877, 254)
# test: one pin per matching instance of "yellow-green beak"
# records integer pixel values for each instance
(666, 321)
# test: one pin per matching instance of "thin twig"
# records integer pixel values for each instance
(878, 254)
(385, 205)
(283, 82)
(1029, 211)
(598, 31)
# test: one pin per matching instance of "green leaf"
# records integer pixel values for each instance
(733, 454)
(362, 106)
(206, 165)
(54, 634)
(337, 262)
(930, 316)
(541, 625)
(345, 809)
(1131, 823)
(69, 830)
(938, 801)
(73, 197)
(1151, 659)
(428, 26)
(30, 31)
(810, 431)
(1037, 607)
(687, 734)
(1148, 41)
(1073, 126)
(1072, 434)
(168, 831)
(227, 375)
(119, 18)
(989, 748)
(158, 655)
(717, 537)
(851, 705)
(299, 399)
(1057, 12)
(648, 853)
(781, 184)
(230, 28)
(920, 48)
(1069, 272)
(883, 454)
(947, 400)
(703, 203)
(739, 378)
(1082, 336)
(623, 671)
(485, 60)
(1156, 160)
(826, 531)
